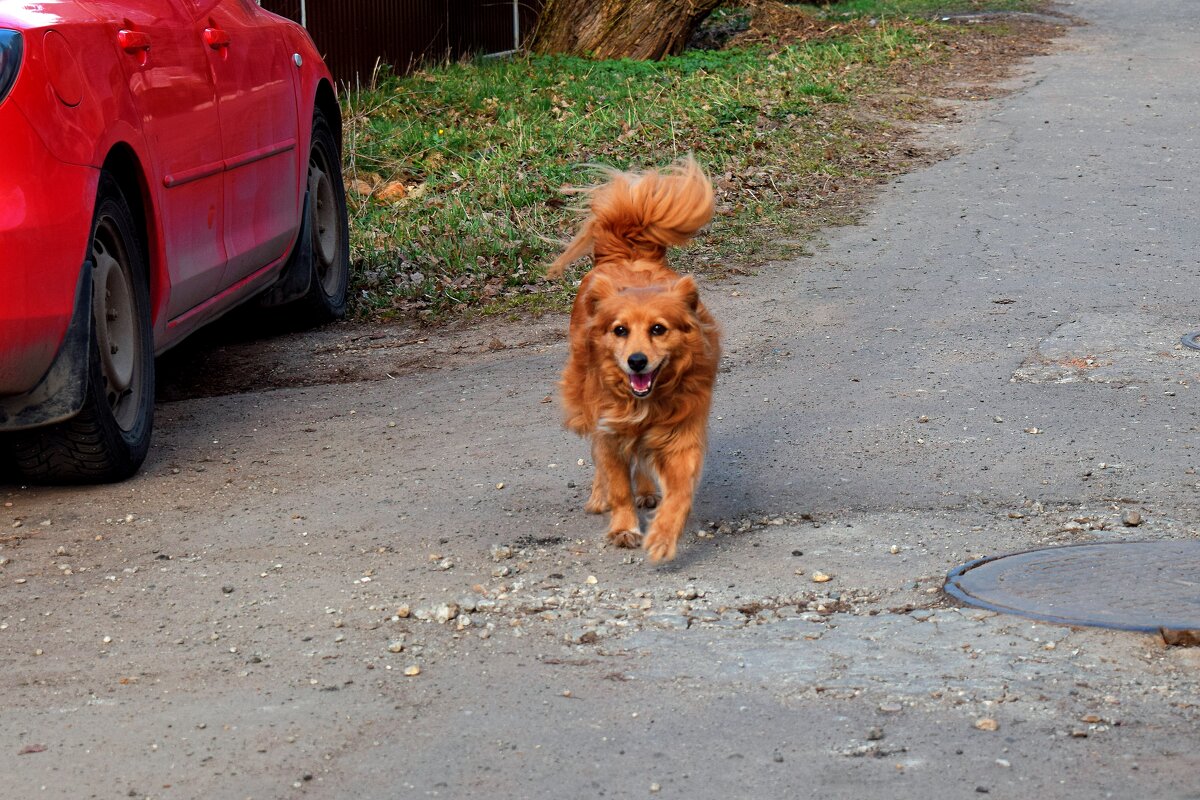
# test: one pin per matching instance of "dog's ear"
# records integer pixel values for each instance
(685, 289)
(600, 287)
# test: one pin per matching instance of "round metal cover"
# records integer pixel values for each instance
(1137, 586)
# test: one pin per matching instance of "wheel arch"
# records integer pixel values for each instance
(123, 164)
(326, 100)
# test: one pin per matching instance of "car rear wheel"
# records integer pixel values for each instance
(109, 438)
(328, 228)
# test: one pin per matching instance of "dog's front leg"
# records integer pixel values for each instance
(679, 472)
(623, 530)
(598, 502)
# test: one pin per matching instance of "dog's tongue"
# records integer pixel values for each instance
(641, 383)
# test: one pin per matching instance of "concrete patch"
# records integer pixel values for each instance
(1120, 350)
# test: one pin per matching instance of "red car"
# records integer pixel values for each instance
(162, 162)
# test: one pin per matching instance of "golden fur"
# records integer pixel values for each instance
(643, 352)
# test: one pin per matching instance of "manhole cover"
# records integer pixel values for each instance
(1137, 586)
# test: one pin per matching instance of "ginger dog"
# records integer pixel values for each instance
(643, 352)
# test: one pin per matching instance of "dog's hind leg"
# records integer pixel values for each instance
(598, 502)
(646, 495)
(613, 462)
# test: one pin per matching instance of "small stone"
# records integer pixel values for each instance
(500, 485)
(107, 640)
(922, 419)
(1079, 734)
(654, 787)
(445, 612)
(1003, 762)
(894, 549)
(1131, 518)
(412, 671)
(820, 577)
(501, 552)
(403, 611)
(891, 708)
(592, 580)
(874, 734)
(997, 419)
(987, 724)
(227, 589)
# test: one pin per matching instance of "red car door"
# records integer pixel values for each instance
(255, 76)
(167, 72)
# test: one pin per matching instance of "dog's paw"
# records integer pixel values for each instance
(660, 548)
(626, 538)
(646, 500)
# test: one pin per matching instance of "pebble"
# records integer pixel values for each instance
(500, 552)
(412, 671)
(987, 724)
(445, 612)
(403, 611)
(894, 549)
(874, 734)
(1131, 519)
(1003, 762)
(820, 577)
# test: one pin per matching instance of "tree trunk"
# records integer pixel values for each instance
(641, 29)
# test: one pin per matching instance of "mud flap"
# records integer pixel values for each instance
(297, 275)
(60, 394)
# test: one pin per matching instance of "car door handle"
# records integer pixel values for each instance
(133, 41)
(216, 38)
(136, 43)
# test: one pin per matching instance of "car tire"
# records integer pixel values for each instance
(329, 229)
(110, 436)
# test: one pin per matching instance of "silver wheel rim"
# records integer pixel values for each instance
(326, 224)
(118, 336)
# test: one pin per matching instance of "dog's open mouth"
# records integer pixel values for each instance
(641, 383)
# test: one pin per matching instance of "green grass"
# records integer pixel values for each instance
(893, 9)
(486, 149)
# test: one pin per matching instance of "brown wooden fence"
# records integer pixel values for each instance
(354, 35)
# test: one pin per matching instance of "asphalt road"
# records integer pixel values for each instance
(988, 363)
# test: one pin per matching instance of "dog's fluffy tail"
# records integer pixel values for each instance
(639, 215)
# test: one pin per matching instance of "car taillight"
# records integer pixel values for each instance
(10, 59)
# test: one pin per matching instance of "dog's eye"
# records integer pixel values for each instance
(621, 331)
(658, 330)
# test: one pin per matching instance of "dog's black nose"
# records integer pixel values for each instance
(638, 362)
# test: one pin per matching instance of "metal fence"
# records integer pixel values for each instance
(355, 35)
